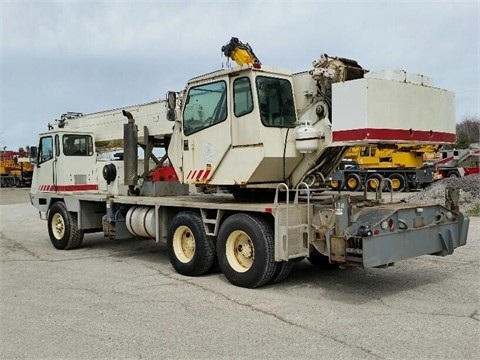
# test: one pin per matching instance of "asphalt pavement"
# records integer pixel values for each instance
(123, 300)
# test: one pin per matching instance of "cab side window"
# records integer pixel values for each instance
(206, 106)
(77, 145)
(45, 151)
(275, 99)
(242, 94)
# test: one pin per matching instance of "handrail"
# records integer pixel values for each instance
(305, 185)
(379, 189)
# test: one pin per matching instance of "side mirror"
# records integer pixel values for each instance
(171, 115)
(171, 105)
(171, 100)
(33, 154)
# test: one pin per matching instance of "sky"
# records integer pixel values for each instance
(87, 56)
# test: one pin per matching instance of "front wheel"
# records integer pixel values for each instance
(63, 227)
(245, 251)
(191, 251)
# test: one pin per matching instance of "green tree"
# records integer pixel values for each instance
(468, 132)
(462, 140)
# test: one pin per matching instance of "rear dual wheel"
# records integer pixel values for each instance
(246, 253)
(245, 249)
(190, 250)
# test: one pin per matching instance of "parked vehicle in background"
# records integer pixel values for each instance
(458, 163)
(16, 168)
(397, 167)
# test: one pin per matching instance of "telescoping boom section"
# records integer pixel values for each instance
(228, 171)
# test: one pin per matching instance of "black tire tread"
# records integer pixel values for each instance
(357, 178)
(75, 236)
(205, 245)
(282, 270)
(262, 229)
(402, 179)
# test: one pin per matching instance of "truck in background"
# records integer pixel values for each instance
(458, 162)
(397, 167)
(16, 168)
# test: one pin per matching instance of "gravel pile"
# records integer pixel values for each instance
(469, 192)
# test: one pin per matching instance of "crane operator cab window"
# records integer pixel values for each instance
(242, 93)
(77, 145)
(206, 106)
(275, 98)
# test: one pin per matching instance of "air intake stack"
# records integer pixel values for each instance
(130, 151)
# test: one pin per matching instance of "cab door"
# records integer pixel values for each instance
(76, 163)
(44, 174)
(206, 130)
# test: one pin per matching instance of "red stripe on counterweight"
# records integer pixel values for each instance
(393, 135)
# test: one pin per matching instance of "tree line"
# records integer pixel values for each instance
(468, 132)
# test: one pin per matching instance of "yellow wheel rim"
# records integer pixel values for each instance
(352, 183)
(240, 251)
(184, 244)
(395, 184)
(374, 183)
(58, 226)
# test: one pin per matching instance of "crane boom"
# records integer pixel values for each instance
(107, 125)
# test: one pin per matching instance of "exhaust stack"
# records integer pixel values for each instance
(130, 152)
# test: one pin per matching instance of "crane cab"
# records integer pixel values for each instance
(234, 129)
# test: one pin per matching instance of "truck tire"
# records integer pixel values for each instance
(190, 250)
(397, 182)
(63, 227)
(320, 260)
(353, 182)
(282, 270)
(374, 181)
(245, 251)
(335, 184)
(453, 174)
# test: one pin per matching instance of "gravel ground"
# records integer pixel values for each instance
(469, 192)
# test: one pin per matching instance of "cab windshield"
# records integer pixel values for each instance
(275, 98)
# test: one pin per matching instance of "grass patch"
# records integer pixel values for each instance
(474, 211)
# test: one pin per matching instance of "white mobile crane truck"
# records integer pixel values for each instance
(262, 138)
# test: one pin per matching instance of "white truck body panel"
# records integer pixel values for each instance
(380, 110)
